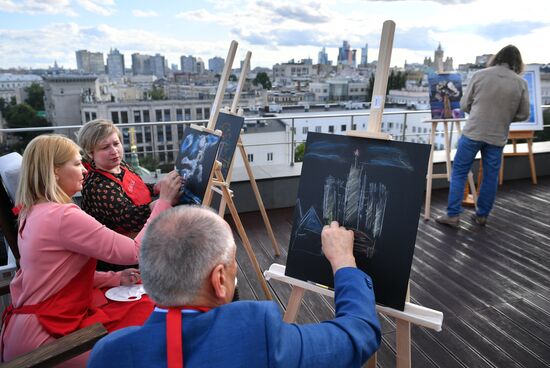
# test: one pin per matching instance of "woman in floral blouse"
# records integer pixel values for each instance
(112, 193)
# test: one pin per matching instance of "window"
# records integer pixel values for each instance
(250, 157)
(94, 116)
(207, 113)
(318, 129)
(187, 115)
(158, 115)
(167, 116)
(114, 117)
(414, 129)
(86, 116)
(353, 126)
(124, 117)
(331, 128)
(343, 128)
(137, 116)
(390, 125)
(199, 113)
(160, 135)
(305, 130)
(270, 156)
(169, 133)
(179, 114)
(146, 118)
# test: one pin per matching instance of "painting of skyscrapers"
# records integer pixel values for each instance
(374, 187)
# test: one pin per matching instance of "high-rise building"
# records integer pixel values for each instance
(188, 64)
(364, 54)
(216, 64)
(158, 63)
(200, 66)
(115, 64)
(90, 62)
(323, 57)
(141, 64)
(346, 56)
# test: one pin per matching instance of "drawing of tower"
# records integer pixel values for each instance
(352, 193)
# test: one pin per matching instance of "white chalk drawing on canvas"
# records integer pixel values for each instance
(355, 202)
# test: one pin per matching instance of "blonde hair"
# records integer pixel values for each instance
(37, 181)
(93, 132)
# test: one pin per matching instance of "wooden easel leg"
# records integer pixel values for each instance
(429, 178)
(371, 363)
(261, 206)
(293, 304)
(244, 238)
(447, 150)
(501, 171)
(403, 343)
(472, 184)
(532, 161)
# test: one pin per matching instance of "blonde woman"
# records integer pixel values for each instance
(56, 290)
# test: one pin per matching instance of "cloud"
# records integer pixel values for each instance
(499, 31)
(60, 41)
(38, 7)
(203, 15)
(144, 13)
(444, 2)
(101, 7)
(307, 12)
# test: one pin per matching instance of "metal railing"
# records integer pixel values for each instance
(164, 144)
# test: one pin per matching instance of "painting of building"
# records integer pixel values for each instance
(373, 187)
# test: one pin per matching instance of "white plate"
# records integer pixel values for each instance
(125, 293)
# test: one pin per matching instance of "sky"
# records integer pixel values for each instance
(35, 33)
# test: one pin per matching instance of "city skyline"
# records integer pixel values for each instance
(36, 33)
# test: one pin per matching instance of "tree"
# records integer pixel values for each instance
(299, 152)
(157, 94)
(263, 79)
(35, 96)
(370, 87)
(24, 116)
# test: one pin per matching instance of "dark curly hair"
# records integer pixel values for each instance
(508, 55)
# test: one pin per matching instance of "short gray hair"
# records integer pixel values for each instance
(179, 250)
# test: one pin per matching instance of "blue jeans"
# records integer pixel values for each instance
(491, 157)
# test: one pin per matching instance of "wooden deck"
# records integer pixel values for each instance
(492, 283)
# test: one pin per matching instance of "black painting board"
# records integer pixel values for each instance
(231, 126)
(196, 157)
(372, 186)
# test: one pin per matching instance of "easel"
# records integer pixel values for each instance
(430, 176)
(412, 313)
(253, 184)
(528, 135)
(217, 180)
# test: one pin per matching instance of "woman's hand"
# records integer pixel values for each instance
(170, 186)
(129, 276)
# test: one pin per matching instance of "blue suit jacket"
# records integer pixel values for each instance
(253, 334)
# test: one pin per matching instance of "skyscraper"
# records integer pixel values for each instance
(346, 56)
(364, 54)
(322, 57)
(115, 64)
(188, 64)
(90, 62)
(158, 63)
(216, 64)
(141, 64)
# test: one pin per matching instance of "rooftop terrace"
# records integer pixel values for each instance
(492, 283)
